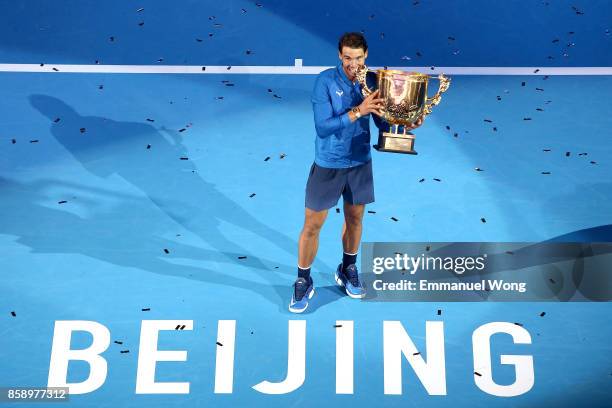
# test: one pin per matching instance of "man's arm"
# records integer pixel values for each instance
(325, 121)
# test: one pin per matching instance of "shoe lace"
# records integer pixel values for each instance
(352, 275)
(300, 287)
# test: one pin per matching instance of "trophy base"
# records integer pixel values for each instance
(396, 143)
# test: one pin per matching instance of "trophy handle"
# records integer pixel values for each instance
(433, 101)
(361, 78)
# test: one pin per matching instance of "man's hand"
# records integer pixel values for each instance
(416, 124)
(371, 104)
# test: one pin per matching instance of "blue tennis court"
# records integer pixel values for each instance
(137, 195)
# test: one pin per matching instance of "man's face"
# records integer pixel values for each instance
(352, 59)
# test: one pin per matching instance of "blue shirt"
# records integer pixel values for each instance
(340, 143)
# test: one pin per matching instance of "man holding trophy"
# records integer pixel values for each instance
(342, 102)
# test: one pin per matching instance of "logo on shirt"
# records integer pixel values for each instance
(339, 93)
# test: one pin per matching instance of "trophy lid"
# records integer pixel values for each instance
(416, 75)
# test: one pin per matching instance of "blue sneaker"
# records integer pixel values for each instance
(303, 290)
(349, 280)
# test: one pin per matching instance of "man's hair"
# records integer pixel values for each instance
(352, 40)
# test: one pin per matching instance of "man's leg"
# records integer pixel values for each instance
(309, 237)
(351, 229)
(346, 274)
(303, 288)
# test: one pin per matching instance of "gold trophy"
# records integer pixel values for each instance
(405, 100)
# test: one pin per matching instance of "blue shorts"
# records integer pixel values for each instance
(325, 186)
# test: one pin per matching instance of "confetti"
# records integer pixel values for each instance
(536, 71)
(125, 351)
(150, 120)
(267, 158)
(439, 312)
(478, 169)
(13, 141)
(510, 252)
(337, 325)
(242, 257)
(146, 309)
(55, 69)
(62, 202)
(100, 86)
(13, 314)
(118, 342)
(447, 127)
(567, 154)
(488, 120)
(539, 89)
(56, 120)
(542, 314)
(337, 210)
(182, 327)
(518, 324)
(416, 354)
(477, 373)
(546, 172)
(34, 141)
(394, 219)
(421, 180)
(252, 195)
(184, 158)
(166, 251)
(526, 118)
(283, 155)
(523, 83)
(437, 179)
(83, 130)
(483, 220)
(141, 23)
(371, 212)
(178, 326)
(148, 146)
(219, 344)
(546, 150)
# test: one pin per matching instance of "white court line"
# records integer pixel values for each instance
(297, 69)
